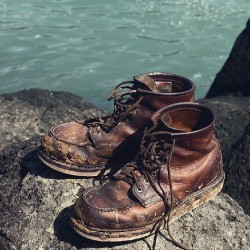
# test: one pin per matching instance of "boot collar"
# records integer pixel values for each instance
(178, 119)
(164, 84)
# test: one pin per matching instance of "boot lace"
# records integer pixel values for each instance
(126, 100)
(156, 150)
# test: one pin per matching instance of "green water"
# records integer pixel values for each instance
(88, 46)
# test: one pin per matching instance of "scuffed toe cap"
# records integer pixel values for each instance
(103, 208)
(68, 145)
(72, 132)
(62, 151)
(90, 216)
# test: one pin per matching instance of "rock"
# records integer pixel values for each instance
(37, 201)
(229, 96)
(238, 184)
(234, 77)
(32, 112)
(35, 211)
(232, 130)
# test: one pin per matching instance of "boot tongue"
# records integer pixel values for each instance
(146, 82)
(167, 122)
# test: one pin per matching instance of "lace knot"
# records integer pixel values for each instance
(126, 100)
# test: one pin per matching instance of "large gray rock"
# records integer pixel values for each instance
(229, 95)
(232, 130)
(32, 112)
(35, 211)
(36, 201)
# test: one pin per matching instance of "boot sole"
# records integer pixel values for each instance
(62, 167)
(192, 201)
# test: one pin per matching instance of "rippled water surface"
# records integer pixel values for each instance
(88, 46)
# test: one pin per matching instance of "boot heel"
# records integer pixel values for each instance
(198, 198)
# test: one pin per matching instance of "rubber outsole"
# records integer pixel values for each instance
(62, 167)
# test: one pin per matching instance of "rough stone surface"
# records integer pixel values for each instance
(32, 112)
(232, 130)
(36, 201)
(238, 171)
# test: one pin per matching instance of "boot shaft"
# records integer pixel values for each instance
(195, 158)
(157, 90)
(162, 89)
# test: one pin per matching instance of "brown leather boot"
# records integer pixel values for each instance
(178, 168)
(94, 147)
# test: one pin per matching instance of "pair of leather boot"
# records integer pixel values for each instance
(158, 147)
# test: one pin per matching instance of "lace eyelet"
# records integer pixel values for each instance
(153, 173)
(146, 181)
(139, 190)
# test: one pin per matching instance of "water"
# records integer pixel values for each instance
(88, 46)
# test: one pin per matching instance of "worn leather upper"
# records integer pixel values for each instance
(130, 200)
(86, 144)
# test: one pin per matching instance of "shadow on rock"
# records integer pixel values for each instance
(64, 232)
(32, 164)
(237, 183)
